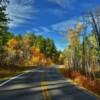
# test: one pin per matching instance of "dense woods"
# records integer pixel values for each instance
(82, 55)
(27, 49)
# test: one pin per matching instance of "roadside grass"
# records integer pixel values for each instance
(9, 71)
(91, 85)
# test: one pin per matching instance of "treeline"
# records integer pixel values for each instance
(82, 53)
(28, 50)
(82, 56)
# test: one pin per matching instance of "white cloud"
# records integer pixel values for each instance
(63, 3)
(36, 30)
(20, 11)
(59, 28)
(45, 29)
(41, 29)
(62, 27)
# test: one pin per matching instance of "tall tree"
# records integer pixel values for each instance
(94, 18)
(3, 26)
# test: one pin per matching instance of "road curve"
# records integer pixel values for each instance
(42, 84)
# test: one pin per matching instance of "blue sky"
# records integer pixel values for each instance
(50, 18)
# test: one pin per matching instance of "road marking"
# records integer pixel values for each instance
(45, 93)
(5, 82)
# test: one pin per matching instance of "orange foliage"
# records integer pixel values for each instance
(12, 42)
(38, 58)
(34, 51)
(49, 61)
(93, 85)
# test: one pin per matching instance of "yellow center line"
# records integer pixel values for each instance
(45, 93)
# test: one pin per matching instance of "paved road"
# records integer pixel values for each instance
(42, 84)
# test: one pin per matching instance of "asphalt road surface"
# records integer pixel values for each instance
(42, 84)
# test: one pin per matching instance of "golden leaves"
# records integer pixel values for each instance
(78, 27)
(92, 40)
(73, 35)
(12, 42)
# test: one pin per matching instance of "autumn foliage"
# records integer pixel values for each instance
(81, 80)
(29, 50)
(81, 61)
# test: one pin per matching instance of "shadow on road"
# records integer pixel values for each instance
(28, 87)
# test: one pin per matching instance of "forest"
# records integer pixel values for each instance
(82, 55)
(27, 50)
(20, 51)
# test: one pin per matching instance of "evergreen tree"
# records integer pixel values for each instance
(3, 26)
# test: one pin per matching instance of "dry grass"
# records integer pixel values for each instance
(90, 84)
(9, 71)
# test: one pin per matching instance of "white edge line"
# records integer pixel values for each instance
(5, 82)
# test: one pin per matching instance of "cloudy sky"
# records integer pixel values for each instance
(50, 18)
